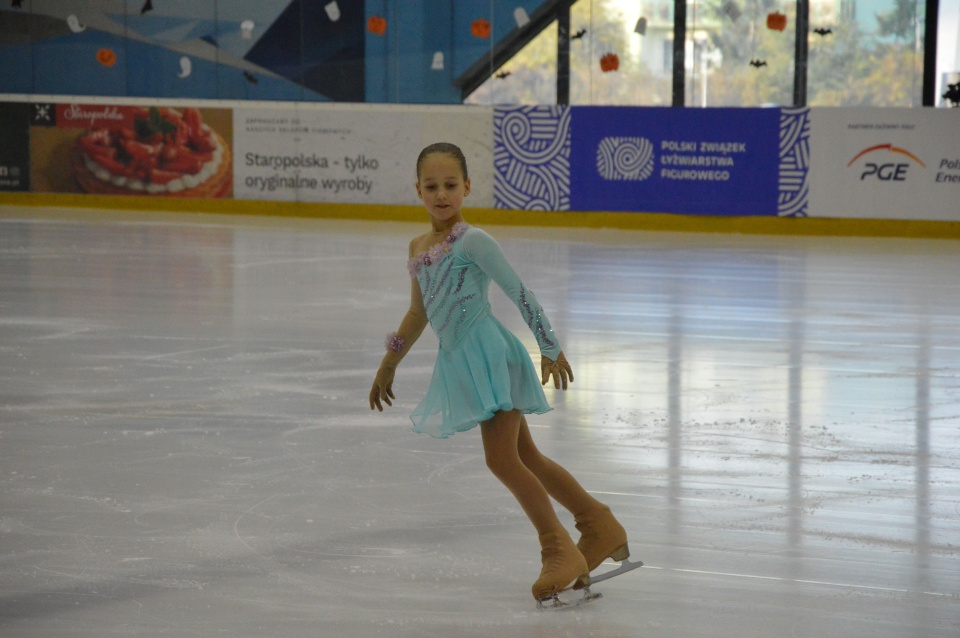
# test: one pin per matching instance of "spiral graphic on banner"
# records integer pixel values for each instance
(531, 157)
(625, 158)
(794, 178)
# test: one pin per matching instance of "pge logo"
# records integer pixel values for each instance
(893, 171)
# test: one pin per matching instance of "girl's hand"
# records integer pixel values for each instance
(560, 369)
(382, 389)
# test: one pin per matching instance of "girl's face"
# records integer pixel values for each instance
(442, 186)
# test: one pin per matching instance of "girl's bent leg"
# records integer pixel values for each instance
(563, 564)
(601, 535)
(558, 482)
(500, 449)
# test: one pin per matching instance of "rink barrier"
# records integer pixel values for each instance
(821, 171)
(665, 222)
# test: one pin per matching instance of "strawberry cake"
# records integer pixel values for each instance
(164, 153)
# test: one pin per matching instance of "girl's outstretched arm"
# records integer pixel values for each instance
(399, 344)
(485, 252)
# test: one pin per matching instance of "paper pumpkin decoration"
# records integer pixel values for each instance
(480, 28)
(776, 21)
(610, 62)
(106, 57)
(377, 25)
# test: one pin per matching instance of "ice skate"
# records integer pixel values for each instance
(563, 567)
(601, 537)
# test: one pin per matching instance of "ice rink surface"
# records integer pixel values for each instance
(186, 448)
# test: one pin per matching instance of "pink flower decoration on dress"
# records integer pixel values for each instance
(436, 252)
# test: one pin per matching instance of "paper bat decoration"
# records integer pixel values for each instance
(579, 34)
(953, 94)
(502, 75)
(251, 78)
(758, 63)
(821, 31)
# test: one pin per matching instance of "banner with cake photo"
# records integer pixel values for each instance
(151, 151)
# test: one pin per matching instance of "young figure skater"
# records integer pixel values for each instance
(484, 375)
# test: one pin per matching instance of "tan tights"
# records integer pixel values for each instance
(514, 459)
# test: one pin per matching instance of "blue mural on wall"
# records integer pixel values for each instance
(300, 50)
(402, 62)
(307, 46)
(241, 49)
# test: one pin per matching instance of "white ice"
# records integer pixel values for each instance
(186, 447)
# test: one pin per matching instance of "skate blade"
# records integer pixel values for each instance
(567, 600)
(625, 566)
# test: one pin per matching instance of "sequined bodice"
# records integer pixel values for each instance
(454, 277)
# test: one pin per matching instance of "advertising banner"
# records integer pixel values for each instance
(885, 163)
(14, 147)
(354, 155)
(112, 149)
(701, 161)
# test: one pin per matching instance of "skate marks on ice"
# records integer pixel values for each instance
(556, 602)
(182, 427)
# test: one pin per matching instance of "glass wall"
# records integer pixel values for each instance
(530, 77)
(737, 53)
(948, 53)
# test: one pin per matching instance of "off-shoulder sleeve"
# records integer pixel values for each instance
(483, 250)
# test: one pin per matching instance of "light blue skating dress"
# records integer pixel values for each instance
(481, 366)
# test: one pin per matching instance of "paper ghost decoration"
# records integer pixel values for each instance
(74, 23)
(246, 29)
(333, 11)
(186, 67)
(732, 10)
(521, 17)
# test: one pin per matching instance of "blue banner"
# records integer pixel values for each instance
(700, 161)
